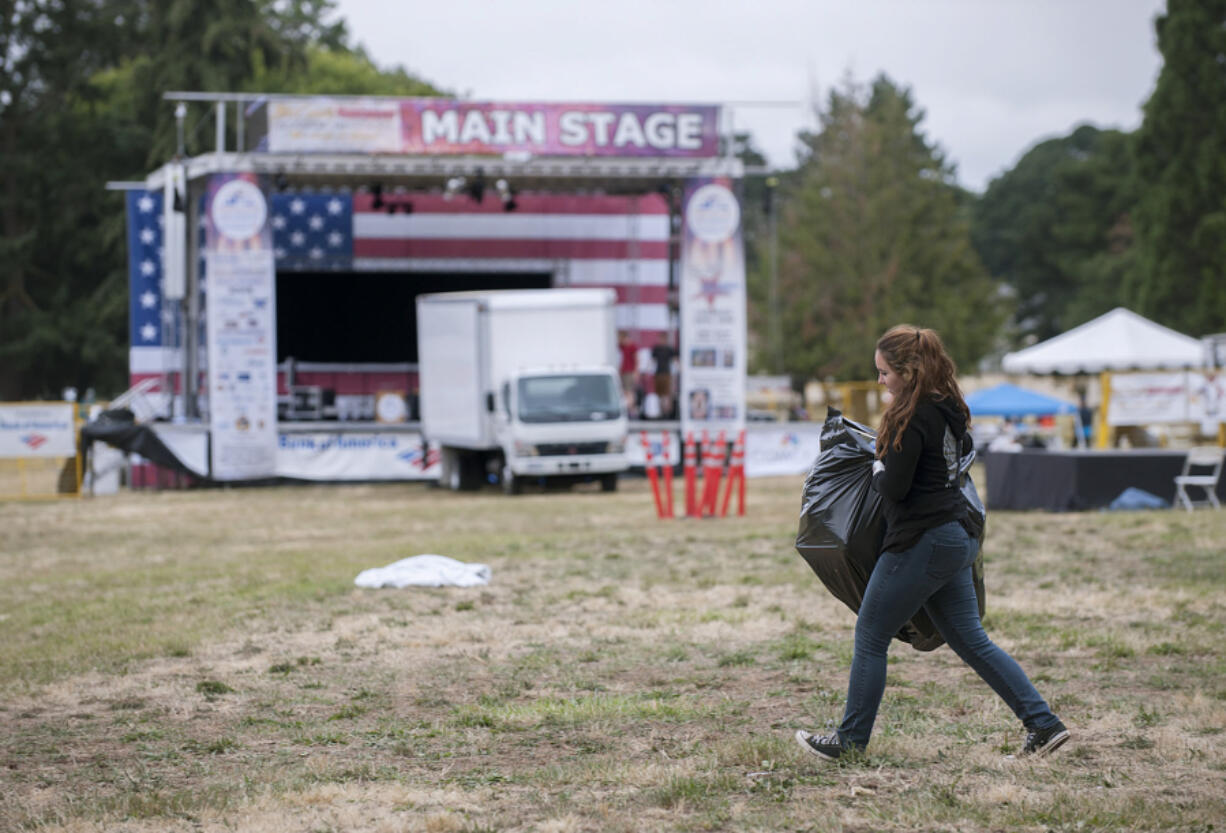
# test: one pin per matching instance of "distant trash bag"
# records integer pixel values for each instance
(425, 571)
(1134, 498)
(842, 525)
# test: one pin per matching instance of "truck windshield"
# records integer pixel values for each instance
(569, 398)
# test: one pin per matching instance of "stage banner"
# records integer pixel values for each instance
(1152, 398)
(447, 126)
(37, 430)
(242, 329)
(771, 449)
(712, 295)
(345, 456)
(787, 449)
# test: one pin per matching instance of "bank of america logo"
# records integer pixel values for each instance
(34, 441)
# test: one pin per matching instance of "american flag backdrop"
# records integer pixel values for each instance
(593, 240)
(312, 232)
(621, 242)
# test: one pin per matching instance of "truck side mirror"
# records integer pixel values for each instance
(489, 401)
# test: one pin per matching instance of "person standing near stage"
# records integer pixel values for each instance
(928, 550)
(663, 355)
(629, 372)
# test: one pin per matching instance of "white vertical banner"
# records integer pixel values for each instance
(712, 295)
(242, 329)
(174, 233)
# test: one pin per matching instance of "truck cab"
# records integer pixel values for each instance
(561, 423)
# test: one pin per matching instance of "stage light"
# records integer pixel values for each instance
(454, 186)
(507, 195)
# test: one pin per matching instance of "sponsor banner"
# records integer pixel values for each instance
(329, 125)
(769, 451)
(712, 290)
(356, 456)
(37, 430)
(789, 449)
(1151, 398)
(447, 126)
(242, 352)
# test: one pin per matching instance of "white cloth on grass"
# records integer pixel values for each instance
(425, 571)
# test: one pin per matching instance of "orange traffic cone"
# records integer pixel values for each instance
(668, 474)
(712, 475)
(652, 476)
(736, 476)
(691, 476)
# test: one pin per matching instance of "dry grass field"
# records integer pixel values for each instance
(203, 662)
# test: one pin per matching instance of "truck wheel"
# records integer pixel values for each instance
(511, 485)
(608, 483)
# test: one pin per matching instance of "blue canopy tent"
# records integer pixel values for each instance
(1011, 402)
(1006, 400)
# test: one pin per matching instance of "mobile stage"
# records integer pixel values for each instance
(280, 278)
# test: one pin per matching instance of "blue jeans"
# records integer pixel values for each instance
(935, 574)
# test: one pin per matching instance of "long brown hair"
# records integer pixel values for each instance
(918, 356)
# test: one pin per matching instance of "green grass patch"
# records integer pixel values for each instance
(619, 673)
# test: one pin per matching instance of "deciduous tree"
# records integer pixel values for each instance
(1057, 229)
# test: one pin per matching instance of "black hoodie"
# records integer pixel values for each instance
(919, 487)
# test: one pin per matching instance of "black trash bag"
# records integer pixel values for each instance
(118, 428)
(842, 524)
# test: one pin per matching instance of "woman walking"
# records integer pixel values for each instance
(928, 551)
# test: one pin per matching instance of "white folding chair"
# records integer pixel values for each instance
(1202, 470)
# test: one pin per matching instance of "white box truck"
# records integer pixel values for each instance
(522, 386)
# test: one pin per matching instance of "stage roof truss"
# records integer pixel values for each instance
(607, 174)
(430, 172)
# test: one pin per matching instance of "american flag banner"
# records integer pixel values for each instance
(155, 323)
(145, 267)
(153, 327)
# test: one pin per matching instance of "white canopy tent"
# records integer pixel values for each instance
(1117, 340)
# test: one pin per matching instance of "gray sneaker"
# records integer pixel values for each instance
(827, 747)
(1042, 741)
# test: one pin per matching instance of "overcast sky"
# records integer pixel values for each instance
(994, 77)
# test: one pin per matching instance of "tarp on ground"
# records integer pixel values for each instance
(1006, 400)
(1117, 340)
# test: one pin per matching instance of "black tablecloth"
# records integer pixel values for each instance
(1070, 481)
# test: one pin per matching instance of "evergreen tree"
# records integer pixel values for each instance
(872, 235)
(1181, 166)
